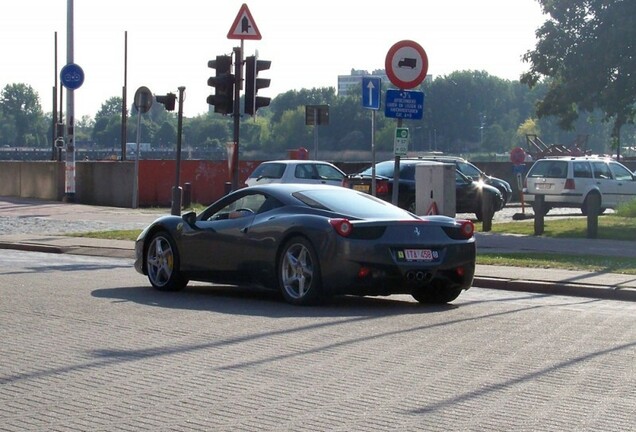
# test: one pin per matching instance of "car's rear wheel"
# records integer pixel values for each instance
(162, 263)
(437, 292)
(299, 272)
(585, 204)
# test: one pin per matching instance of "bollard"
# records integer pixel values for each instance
(487, 212)
(187, 195)
(175, 209)
(593, 208)
(539, 214)
(228, 187)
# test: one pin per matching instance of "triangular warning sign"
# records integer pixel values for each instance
(432, 209)
(244, 26)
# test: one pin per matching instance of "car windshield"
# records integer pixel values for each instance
(352, 203)
(469, 170)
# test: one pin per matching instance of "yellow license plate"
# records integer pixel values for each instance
(361, 188)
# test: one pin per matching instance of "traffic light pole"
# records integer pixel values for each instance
(177, 189)
(238, 67)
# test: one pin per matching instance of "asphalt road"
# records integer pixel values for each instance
(87, 345)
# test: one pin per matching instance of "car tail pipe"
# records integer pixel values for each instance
(418, 276)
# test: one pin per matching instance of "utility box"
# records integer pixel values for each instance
(435, 189)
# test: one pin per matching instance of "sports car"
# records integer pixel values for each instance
(310, 242)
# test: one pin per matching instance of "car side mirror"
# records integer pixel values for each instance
(190, 218)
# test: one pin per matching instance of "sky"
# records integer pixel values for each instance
(309, 44)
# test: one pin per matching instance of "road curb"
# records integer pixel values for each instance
(33, 248)
(559, 288)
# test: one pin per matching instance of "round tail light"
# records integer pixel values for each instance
(342, 226)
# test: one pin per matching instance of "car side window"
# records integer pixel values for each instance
(269, 204)
(304, 171)
(601, 170)
(328, 173)
(582, 170)
(241, 207)
(620, 172)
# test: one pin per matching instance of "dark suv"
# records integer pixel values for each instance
(468, 193)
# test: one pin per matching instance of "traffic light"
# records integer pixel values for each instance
(167, 101)
(253, 84)
(223, 83)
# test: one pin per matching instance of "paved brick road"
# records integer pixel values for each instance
(86, 345)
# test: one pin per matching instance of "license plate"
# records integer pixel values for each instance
(419, 254)
(544, 186)
(361, 188)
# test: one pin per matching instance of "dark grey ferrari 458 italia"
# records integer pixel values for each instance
(308, 242)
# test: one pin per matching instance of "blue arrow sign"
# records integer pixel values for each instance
(371, 92)
(404, 104)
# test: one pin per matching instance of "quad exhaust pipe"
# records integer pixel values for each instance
(418, 276)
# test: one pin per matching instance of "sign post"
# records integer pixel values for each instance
(406, 65)
(371, 87)
(142, 102)
(72, 78)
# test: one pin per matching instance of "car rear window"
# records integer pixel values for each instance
(549, 168)
(269, 170)
(351, 203)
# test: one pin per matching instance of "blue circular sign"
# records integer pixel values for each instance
(72, 76)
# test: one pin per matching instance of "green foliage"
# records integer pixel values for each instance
(464, 112)
(568, 262)
(611, 227)
(23, 121)
(585, 54)
(627, 210)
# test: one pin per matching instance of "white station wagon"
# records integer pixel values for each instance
(569, 181)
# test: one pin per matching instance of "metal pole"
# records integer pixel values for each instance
(135, 198)
(238, 67)
(176, 190)
(396, 174)
(316, 123)
(373, 181)
(124, 103)
(70, 113)
(54, 110)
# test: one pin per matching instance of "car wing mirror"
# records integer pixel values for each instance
(190, 218)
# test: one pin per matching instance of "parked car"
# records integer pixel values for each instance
(470, 170)
(570, 181)
(468, 193)
(296, 171)
(310, 241)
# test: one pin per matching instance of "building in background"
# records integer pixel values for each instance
(352, 82)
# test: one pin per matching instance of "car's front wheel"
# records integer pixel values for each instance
(162, 263)
(299, 272)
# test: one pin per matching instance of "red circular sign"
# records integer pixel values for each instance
(406, 64)
(517, 156)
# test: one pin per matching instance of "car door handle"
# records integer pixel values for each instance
(244, 229)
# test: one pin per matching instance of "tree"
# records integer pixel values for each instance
(20, 105)
(586, 53)
(110, 108)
